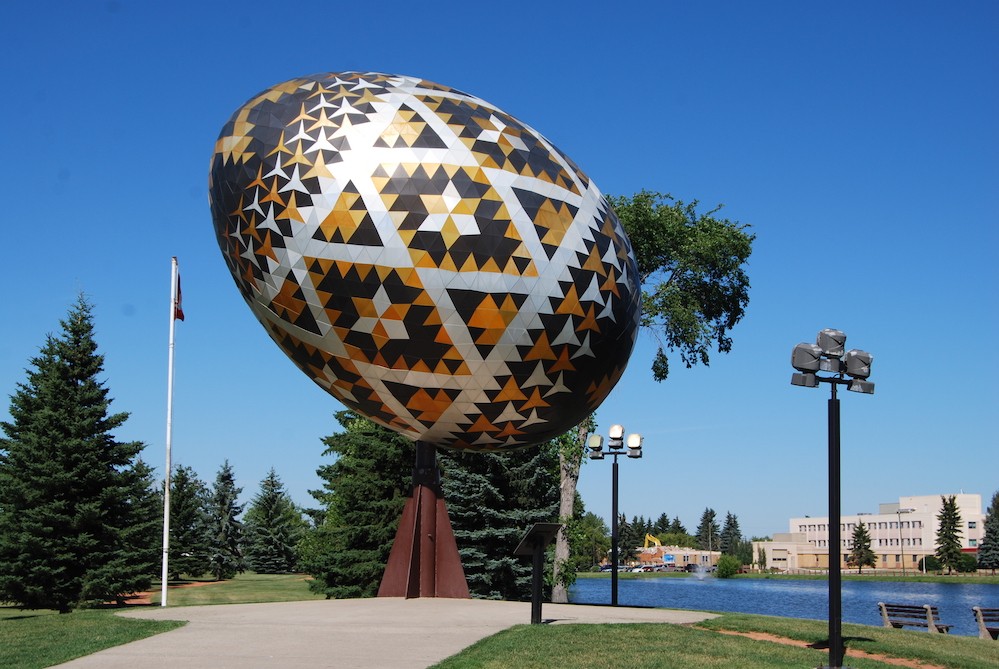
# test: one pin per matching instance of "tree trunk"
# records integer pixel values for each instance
(569, 463)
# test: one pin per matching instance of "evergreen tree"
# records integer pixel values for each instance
(861, 554)
(364, 491)
(949, 534)
(493, 499)
(189, 536)
(662, 525)
(744, 551)
(761, 558)
(630, 537)
(143, 537)
(707, 531)
(225, 532)
(676, 527)
(731, 535)
(273, 526)
(72, 497)
(988, 551)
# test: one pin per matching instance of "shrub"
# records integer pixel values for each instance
(728, 566)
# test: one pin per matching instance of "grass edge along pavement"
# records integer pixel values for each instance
(43, 638)
(710, 644)
(598, 645)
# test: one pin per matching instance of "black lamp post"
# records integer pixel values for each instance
(826, 355)
(615, 446)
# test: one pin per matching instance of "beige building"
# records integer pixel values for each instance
(902, 534)
(677, 558)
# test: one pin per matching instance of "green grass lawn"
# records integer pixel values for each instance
(44, 638)
(34, 639)
(247, 588)
(674, 646)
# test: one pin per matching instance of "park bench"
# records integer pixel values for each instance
(898, 615)
(988, 622)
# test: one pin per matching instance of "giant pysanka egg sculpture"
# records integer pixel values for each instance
(429, 260)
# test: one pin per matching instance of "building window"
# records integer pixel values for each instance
(972, 524)
(972, 542)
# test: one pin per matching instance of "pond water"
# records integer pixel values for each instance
(791, 598)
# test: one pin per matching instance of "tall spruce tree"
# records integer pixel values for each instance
(73, 498)
(988, 551)
(190, 549)
(273, 526)
(948, 550)
(731, 535)
(363, 494)
(493, 499)
(707, 531)
(225, 531)
(662, 525)
(861, 554)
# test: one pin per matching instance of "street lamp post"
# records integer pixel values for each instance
(616, 446)
(827, 355)
(901, 547)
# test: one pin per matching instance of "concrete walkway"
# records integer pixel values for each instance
(379, 632)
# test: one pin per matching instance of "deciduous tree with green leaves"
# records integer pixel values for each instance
(988, 551)
(948, 550)
(272, 528)
(861, 554)
(74, 501)
(695, 289)
(692, 268)
(592, 544)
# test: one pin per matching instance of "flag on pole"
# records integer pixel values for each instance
(178, 310)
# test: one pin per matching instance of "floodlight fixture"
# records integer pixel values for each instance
(808, 380)
(832, 342)
(634, 445)
(805, 357)
(860, 386)
(615, 437)
(858, 363)
(596, 444)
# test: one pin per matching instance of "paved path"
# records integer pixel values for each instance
(379, 632)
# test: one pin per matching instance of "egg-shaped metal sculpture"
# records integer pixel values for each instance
(426, 258)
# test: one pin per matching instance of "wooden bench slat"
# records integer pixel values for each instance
(899, 615)
(983, 617)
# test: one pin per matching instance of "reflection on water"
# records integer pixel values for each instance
(793, 599)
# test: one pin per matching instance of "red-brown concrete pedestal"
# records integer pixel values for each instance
(424, 560)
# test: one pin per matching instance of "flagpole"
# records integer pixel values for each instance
(174, 290)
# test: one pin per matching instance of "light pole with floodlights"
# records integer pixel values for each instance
(616, 446)
(827, 355)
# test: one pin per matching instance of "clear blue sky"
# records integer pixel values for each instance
(860, 140)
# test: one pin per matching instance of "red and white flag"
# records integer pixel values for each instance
(178, 310)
